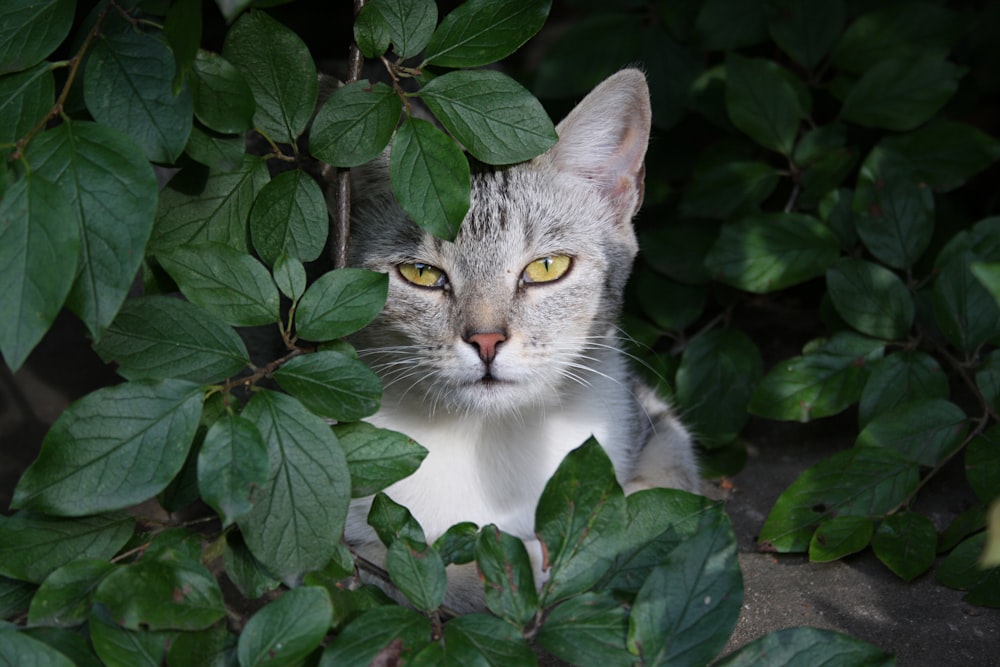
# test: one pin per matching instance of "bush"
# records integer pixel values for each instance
(650, 578)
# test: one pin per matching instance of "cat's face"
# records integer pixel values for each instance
(524, 301)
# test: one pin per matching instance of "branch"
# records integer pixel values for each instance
(342, 231)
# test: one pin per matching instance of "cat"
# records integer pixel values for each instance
(499, 352)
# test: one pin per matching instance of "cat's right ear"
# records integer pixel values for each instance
(603, 140)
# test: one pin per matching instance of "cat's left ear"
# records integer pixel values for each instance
(604, 139)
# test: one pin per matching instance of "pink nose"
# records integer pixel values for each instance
(486, 344)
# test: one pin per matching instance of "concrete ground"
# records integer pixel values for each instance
(922, 622)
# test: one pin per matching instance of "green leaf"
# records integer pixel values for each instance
(296, 521)
(114, 447)
(222, 99)
(480, 32)
(982, 465)
(222, 152)
(898, 378)
(761, 102)
(279, 70)
(118, 647)
(418, 572)
(245, 571)
(507, 576)
(25, 98)
(207, 648)
(355, 124)
(15, 596)
(906, 544)
(805, 32)
(331, 384)
(967, 523)
(430, 177)
(964, 309)
(824, 381)
(406, 24)
(901, 94)
(286, 630)
(392, 521)
(730, 187)
(393, 628)
(493, 116)
(924, 431)
(961, 569)
(194, 209)
(157, 594)
(458, 543)
(30, 30)
(289, 217)
(129, 86)
(678, 250)
(944, 154)
(377, 457)
(579, 520)
(17, 648)
(836, 210)
(871, 298)
(478, 639)
(718, 373)
(64, 598)
(722, 25)
(588, 630)
(38, 259)
(893, 210)
(290, 276)
(686, 609)
(33, 546)
(228, 283)
(232, 464)
(839, 537)
(769, 252)
(113, 193)
(670, 305)
(340, 302)
(159, 337)
(910, 29)
(182, 27)
(802, 647)
(864, 481)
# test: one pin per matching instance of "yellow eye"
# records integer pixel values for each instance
(423, 275)
(546, 269)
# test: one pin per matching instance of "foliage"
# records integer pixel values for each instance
(823, 154)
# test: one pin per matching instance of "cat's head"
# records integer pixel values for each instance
(524, 302)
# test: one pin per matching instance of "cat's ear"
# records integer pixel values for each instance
(604, 139)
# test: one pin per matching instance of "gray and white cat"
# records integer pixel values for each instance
(499, 352)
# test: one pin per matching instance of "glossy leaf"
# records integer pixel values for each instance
(290, 276)
(33, 546)
(802, 647)
(194, 208)
(17, 648)
(25, 98)
(945, 155)
(65, 596)
(863, 481)
(493, 116)
(579, 520)
(158, 337)
(289, 217)
(418, 572)
(232, 464)
(355, 123)
(898, 378)
(228, 283)
(761, 102)
(480, 32)
(286, 630)
(678, 250)
(38, 258)
(113, 193)
(893, 210)
(718, 373)
(901, 94)
(377, 457)
(245, 571)
(478, 639)
(129, 86)
(331, 384)
(769, 252)
(458, 543)
(398, 629)
(406, 24)
(114, 447)
(588, 630)
(964, 308)
(392, 521)
(279, 70)
(222, 100)
(430, 177)
(721, 190)
(805, 32)
(670, 305)
(906, 544)
(924, 431)
(961, 569)
(340, 302)
(182, 26)
(222, 152)
(297, 519)
(506, 572)
(31, 30)
(118, 647)
(839, 537)
(207, 648)
(871, 298)
(15, 597)
(982, 465)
